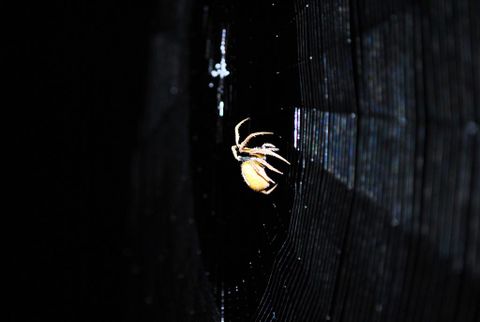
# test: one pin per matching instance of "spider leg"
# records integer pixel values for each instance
(268, 165)
(267, 152)
(261, 172)
(251, 136)
(269, 146)
(237, 133)
(267, 192)
(235, 152)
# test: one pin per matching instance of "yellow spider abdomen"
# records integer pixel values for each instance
(252, 178)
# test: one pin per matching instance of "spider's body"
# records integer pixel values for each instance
(254, 162)
(250, 174)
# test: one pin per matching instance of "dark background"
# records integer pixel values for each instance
(133, 209)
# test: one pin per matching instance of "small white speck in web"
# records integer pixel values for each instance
(221, 68)
(220, 108)
(222, 307)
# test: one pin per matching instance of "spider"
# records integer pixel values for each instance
(254, 163)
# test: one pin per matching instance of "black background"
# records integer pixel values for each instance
(81, 75)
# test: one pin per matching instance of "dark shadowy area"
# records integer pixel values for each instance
(81, 70)
(133, 208)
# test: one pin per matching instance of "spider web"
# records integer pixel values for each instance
(378, 217)
(375, 104)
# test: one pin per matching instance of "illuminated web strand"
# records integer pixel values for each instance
(221, 71)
